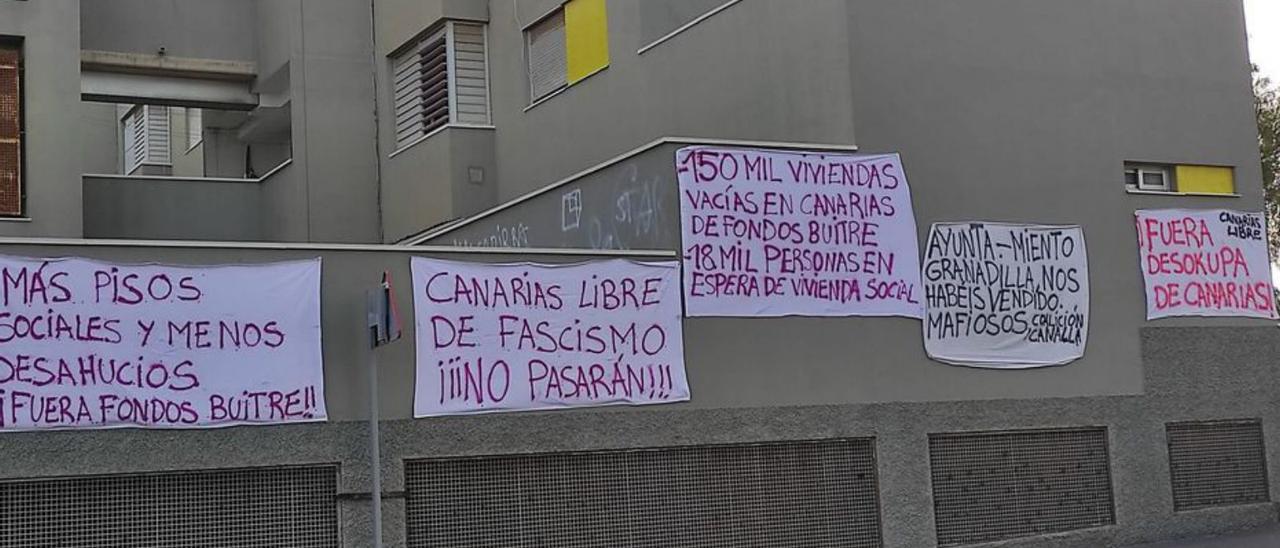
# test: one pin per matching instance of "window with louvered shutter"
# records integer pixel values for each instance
(422, 88)
(10, 130)
(135, 138)
(146, 137)
(470, 73)
(441, 78)
(158, 135)
(545, 45)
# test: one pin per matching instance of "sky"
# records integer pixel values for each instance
(1263, 17)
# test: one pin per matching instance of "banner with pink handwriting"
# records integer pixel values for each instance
(777, 233)
(1205, 262)
(90, 344)
(520, 337)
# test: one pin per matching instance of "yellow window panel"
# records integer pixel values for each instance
(1206, 179)
(586, 37)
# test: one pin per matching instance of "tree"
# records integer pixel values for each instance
(1266, 105)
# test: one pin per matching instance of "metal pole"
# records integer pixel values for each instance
(375, 458)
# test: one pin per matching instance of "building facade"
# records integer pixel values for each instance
(366, 132)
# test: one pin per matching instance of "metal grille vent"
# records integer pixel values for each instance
(1002, 485)
(1217, 464)
(796, 494)
(251, 508)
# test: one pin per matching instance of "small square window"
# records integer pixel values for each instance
(1147, 177)
(566, 46)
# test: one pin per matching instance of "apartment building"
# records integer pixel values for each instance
(365, 132)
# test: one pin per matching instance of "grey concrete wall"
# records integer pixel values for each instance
(398, 21)
(332, 193)
(100, 138)
(279, 43)
(427, 183)
(172, 208)
(187, 162)
(1037, 132)
(275, 25)
(50, 31)
(631, 204)
(223, 153)
(475, 171)
(792, 93)
(267, 156)
(184, 28)
(430, 182)
(730, 404)
(728, 77)
(1034, 133)
(417, 186)
(634, 205)
(658, 19)
(1040, 132)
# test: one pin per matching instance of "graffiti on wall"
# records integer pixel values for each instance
(571, 210)
(635, 214)
(501, 236)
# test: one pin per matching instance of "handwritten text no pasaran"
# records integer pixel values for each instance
(514, 337)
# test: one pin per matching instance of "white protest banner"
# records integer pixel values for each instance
(520, 337)
(773, 233)
(89, 344)
(1006, 296)
(1205, 262)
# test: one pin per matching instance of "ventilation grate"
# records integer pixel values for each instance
(250, 508)
(1217, 464)
(1002, 485)
(795, 494)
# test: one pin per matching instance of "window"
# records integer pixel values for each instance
(548, 70)
(441, 78)
(146, 138)
(10, 129)
(1147, 177)
(1182, 179)
(567, 46)
(195, 127)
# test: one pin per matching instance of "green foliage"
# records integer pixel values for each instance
(1266, 104)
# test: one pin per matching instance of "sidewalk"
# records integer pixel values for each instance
(1262, 538)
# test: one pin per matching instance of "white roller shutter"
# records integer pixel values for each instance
(546, 50)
